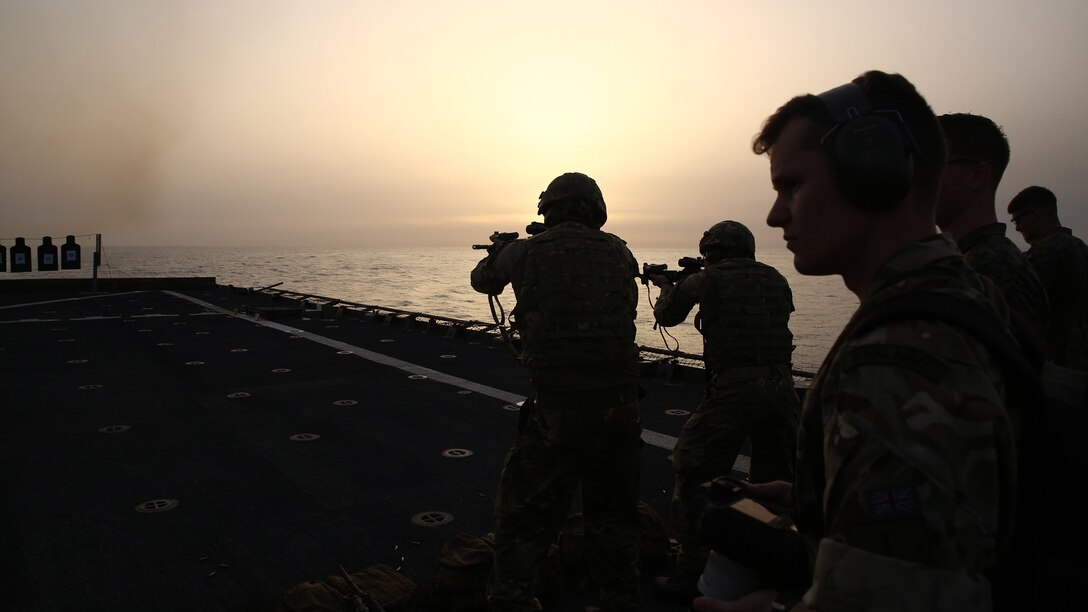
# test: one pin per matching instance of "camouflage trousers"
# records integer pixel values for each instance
(759, 403)
(589, 437)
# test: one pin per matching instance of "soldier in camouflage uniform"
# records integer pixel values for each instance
(576, 298)
(1061, 259)
(906, 458)
(744, 313)
(978, 154)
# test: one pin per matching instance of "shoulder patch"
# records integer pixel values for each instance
(916, 360)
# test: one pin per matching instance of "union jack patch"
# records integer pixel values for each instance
(897, 502)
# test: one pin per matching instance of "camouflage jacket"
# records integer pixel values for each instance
(744, 312)
(906, 458)
(1061, 260)
(595, 362)
(990, 253)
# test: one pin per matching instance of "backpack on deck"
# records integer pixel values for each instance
(1048, 548)
(464, 566)
(465, 562)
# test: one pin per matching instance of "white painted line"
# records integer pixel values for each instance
(98, 318)
(652, 438)
(74, 299)
(406, 366)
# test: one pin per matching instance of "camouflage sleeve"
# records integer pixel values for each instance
(494, 272)
(631, 262)
(635, 273)
(918, 455)
(674, 304)
(847, 578)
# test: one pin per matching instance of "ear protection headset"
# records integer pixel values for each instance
(871, 151)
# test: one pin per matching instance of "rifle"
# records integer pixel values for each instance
(532, 229)
(497, 313)
(361, 601)
(688, 266)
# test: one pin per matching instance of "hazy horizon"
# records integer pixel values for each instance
(348, 123)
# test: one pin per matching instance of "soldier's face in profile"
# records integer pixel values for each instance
(824, 231)
(1027, 223)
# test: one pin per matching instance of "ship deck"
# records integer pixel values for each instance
(189, 446)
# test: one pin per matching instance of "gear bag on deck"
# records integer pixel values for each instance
(653, 545)
(389, 588)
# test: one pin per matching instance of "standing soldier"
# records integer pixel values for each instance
(576, 298)
(1061, 259)
(744, 314)
(978, 154)
(906, 465)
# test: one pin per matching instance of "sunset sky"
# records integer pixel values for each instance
(412, 123)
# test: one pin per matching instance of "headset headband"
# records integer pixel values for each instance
(849, 101)
(846, 102)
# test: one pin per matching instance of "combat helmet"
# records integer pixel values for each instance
(574, 186)
(728, 236)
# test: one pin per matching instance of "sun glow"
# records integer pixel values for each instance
(381, 122)
(550, 111)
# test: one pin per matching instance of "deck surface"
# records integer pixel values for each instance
(290, 444)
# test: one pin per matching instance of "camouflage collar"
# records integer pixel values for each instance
(979, 235)
(901, 268)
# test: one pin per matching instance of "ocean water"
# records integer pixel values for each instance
(436, 281)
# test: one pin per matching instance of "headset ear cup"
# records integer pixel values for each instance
(875, 166)
(871, 151)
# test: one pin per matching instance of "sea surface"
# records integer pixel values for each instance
(436, 281)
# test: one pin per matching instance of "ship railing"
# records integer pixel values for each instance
(651, 357)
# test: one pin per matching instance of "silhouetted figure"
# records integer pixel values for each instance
(576, 301)
(978, 153)
(744, 314)
(1061, 260)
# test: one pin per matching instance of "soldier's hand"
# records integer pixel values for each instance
(778, 492)
(659, 280)
(496, 244)
(759, 601)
